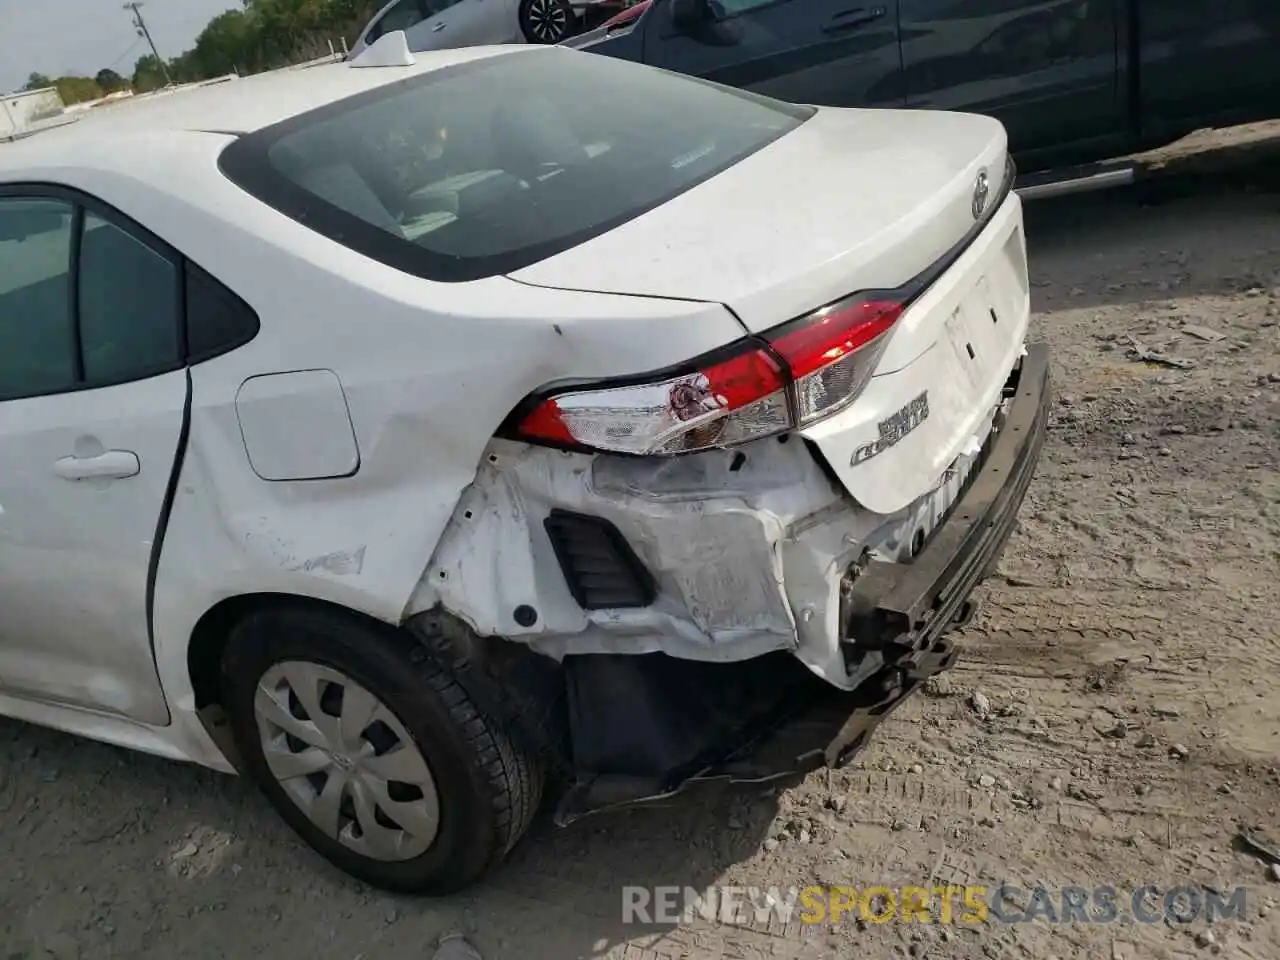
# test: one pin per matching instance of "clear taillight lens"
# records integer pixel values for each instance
(719, 404)
(793, 376)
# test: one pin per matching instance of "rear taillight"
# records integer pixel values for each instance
(831, 354)
(793, 376)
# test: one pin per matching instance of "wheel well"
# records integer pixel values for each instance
(209, 638)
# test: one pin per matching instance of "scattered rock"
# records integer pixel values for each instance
(939, 685)
(1079, 792)
(392, 916)
(1142, 789)
(188, 851)
(771, 845)
(986, 781)
(455, 948)
(917, 768)
(1203, 333)
(1205, 938)
(1224, 788)
(1166, 712)
(1179, 752)
(804, 836)
(1146, 740)
(980, 704)
(1274, 872)
(1112, 729)
(1055, 783)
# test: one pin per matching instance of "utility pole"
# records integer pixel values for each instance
(141, 26)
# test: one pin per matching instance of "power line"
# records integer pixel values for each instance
(141, 26)
(132, 47)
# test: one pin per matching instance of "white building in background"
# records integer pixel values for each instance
(20, 111)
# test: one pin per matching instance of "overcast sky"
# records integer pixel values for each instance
(58, 37)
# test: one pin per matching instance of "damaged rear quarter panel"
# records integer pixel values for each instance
(428, 370)
(735, 552)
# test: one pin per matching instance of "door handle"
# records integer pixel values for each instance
(112, 465)
(438, 27)
(854, 18)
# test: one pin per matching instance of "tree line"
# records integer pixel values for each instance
(264, 35)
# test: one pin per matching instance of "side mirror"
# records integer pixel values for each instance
(689, 14)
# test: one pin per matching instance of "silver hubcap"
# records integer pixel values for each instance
(346, 761)
(548, 21)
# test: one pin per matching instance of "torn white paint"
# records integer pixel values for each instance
(747, 561)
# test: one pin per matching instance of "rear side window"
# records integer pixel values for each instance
(493, 165)
(90, 299)
(128, 305)
(37, 331)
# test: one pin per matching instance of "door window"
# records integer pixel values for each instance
(87, 302)
(129, 306)
(36, 325)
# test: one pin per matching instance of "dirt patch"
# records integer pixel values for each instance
(1114, 719)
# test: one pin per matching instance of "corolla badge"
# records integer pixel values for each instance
(981, 193)
(893, 429)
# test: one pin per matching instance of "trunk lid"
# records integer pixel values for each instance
(853, 200)
(850, 200)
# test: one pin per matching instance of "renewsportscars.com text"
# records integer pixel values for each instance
(1008, 903)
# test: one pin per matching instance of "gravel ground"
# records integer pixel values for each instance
(1115, 718)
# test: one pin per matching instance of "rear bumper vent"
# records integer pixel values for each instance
(599, 566)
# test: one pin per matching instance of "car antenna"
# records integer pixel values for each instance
(390, 50)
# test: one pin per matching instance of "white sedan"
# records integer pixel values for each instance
(419, 452)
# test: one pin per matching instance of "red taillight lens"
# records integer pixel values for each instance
(832, 353)
(809, 369)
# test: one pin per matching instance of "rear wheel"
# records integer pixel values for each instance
(546, 21)
(372, 753)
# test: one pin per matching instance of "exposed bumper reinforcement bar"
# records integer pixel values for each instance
(900, 616)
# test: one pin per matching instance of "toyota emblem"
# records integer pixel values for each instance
(981, 191)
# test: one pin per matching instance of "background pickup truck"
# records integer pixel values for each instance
(1074, 81)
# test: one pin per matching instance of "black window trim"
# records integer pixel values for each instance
(82, 203)
(245, 162)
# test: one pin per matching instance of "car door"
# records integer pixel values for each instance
(1047, 69)
(838, 53)
(462, 23)
(1206, 58)
(92, 408)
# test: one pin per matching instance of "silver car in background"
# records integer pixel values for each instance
(446, 24)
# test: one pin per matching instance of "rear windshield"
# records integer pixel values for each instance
(493, 165)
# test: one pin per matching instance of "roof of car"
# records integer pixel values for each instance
(234, 106)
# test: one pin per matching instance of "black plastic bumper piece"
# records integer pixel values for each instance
(900, 616)
(599, 566)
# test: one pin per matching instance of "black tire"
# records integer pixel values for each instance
(488, 788)
(547, 21)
